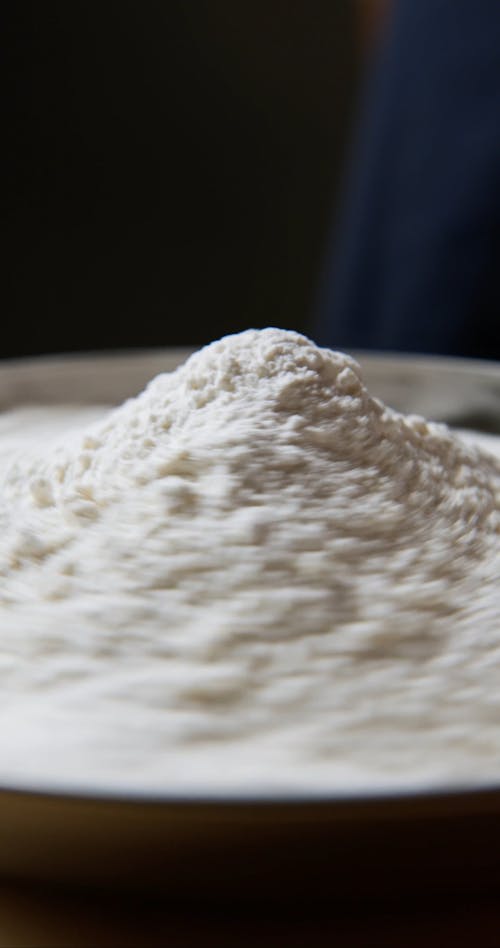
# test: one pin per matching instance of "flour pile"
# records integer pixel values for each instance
(253, 574)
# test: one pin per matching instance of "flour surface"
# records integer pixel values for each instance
(254, 575)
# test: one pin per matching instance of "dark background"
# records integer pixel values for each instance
(172, 167)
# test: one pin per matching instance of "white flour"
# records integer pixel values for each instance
(253, 575)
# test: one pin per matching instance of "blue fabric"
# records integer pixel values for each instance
(415, 263)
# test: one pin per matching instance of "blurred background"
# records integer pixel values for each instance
(176, 171)
(172, 167)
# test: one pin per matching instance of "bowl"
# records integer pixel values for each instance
(249, 847)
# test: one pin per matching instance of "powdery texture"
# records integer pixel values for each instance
(253, 575)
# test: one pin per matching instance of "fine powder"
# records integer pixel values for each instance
(253, 576)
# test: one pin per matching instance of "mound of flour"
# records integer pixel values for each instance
(253, 574)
